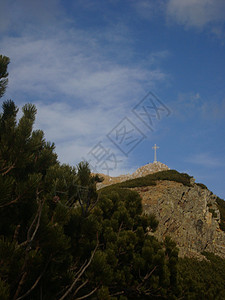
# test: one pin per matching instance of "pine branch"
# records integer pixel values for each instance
(87, 295)
(80, 287)
(120, 228)
(38, 222)
(145, 279)
(117, 294)
(11, 202)
(79, 274)
(16, 232)
(9, 169)
(94, 204)
(36, 219)
(19, 197)
(36, 282)
(21, 282)
(27, 243)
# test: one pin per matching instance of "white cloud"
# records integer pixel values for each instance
(197, 13)
(214, 110)
(188, 105)
(202, 107)
(21, 15)
(74, 151)
(205, 160)
(62, 121)
(76, 132)
(73, 65)
(83, 82)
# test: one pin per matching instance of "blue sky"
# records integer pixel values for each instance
(89, 67)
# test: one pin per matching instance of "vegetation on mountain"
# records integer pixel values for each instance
(151, 179)
(221, 206)
(202, 279)
(203, 186)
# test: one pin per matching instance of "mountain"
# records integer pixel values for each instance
(140, 172)
(187, 211)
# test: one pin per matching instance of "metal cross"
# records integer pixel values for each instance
(155, 148)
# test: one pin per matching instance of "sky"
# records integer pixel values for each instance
(112, 78)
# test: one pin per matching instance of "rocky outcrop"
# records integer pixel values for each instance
(140, 172)
(188, 214)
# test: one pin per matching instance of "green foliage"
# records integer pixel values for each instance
(131, 263)
(4, 290)
(151, 179)
(202, 279)
(202, 185)
(22, 150)
(4, 61)
(214, 214)
(221, 207)
(38, 200)
(103, 293)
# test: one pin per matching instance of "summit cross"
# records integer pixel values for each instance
(155, 157)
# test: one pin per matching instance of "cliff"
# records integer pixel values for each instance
(186, 211)
(190, 215)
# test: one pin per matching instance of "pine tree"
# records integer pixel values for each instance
(4, 61)
(60, 238)
(38, 199)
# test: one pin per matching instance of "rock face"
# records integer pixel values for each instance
(142, 171)
(188, 214)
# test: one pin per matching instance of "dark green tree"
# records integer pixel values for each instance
(202, 279)
(4, 61)
(129, 262)
(37, 200)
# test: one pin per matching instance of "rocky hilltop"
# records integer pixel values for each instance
(140, 172)
(186, 211)
(189, 214)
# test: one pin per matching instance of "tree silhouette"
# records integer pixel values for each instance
(4, 61)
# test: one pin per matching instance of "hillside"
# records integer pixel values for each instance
(140, 172)
(187, 211)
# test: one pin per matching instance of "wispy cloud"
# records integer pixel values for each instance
(19, 16)
(80, 94)
(214, 110)
(188, 105)
(202, 107)
(205, 160)
(76, 132)
(73, 64)
(197, 13)
(83, 81)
